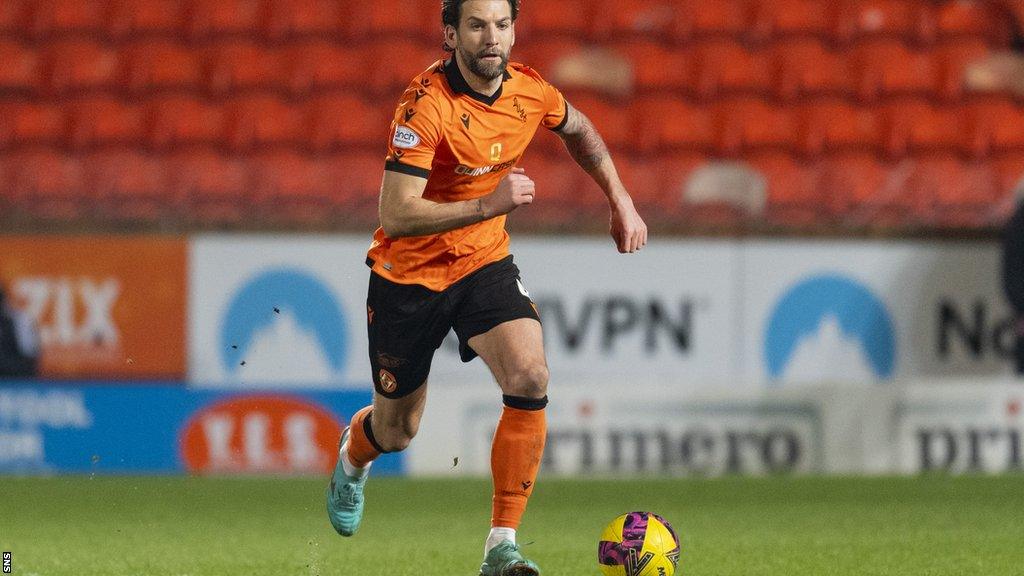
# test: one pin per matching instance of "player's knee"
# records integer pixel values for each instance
(397, 437)
(529, 382)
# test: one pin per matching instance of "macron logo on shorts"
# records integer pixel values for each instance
(405, 137)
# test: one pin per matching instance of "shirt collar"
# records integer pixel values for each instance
(460, 86)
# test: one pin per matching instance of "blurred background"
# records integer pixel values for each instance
(188, 189)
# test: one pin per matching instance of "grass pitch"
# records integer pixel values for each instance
(84, 526)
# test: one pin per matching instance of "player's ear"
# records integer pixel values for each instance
(450, 36)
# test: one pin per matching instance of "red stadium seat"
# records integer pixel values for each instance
(56, 18)
(15, 16)
(176, 121)
(129, 186)
(954, 58)
(615, 126)
(21, 68)
(561, 188)
(147, 17)
(696, 18)
(294, 188)
(837, 125)
(648, 19)
(297, 18)
(994, 126)
(893, 19)
(244, 66)
(210, 18)
(658, 181)
(889, 69)
(730, 68)
(665, 123)
(262, 121)
(405, 60)
(338, 120)
(356, 192)
(784, 18)
(915, 127)
(214, 189)
(751, 125)
(49, 184)
(322, 65)
(952, 193)
(77, 66)
(392, 20)
(855, 180)
(570, 18)
(31, 123)
(971, 19)
(809, 68)
(104, 121)
(160, 65)
(542, 54)
(657, 67)
(794, 195)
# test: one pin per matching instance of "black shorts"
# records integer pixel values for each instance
(408, 322)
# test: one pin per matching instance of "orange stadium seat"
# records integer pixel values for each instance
(49, 184)
(322, 65)
(971, 19)
(28, 123)
(666, 123)
(15, 16)
(860, 19)
(392, 19)
(205, 18)
(615, 124)
(542, 54)
(994, 126)
(292, 18)
(954, 57)
(657, 67)
(147, 17)
(76, 66)
(888, 68)
(357, 189)
(405, 59)
(559, 186)
(294, 188)
(214, 189)
(918, 126)
(730, 18)
(750, 124)
(56, 18)
(572, 18)
(1010, 174)
(261, 121)
(794, 196)
(648, 19)
(729, 68)
(808, 68)
(334, 121)
(129, 186)
(160, 65)
(658, 181)
(783, 18)
(952, 193)
(176, 121)
(852, 181)
(21, 68)
(837, 125)
(104, 121)
(243, 66)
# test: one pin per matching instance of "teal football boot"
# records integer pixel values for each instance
(345, 497)
(505, 560)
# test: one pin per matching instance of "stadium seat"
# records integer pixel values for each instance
(971, 19)
(724, 18)
(837, 125)
(571, 18)
(162, 65)
(994, 126)
(748, 124)
(917, 126)
(59, 18)
(953, 193)
(356, 191)
(218, 18)
(128, 186)
(179, 121)
(147, 18)
(728, 67)
(21, 68)
(647, 19)
(560, 187)
(335, 121)
(891, 19)
(542, 54)
(29, 123)
(786, 18)
(243, 66)
(658, 181)
(294, 188)
(615, 124)
(853, 181)
(659, 68)
(15, 16)
(78, 66)
(49, 185)
(213, 189)
(260, 121)
(104, 121)
(888, 68)
(1010, 175)
(300, 18)
(322, 65)
(406, 59)
(666, 123)
(954, 58)
(393, 20)
(805, 68)
(794, 196)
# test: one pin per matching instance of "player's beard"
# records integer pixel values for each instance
(484, 69)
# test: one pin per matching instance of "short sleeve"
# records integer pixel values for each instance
(415, 134)
(556, 112)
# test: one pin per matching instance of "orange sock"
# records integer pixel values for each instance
(515, 457)
(362, 446)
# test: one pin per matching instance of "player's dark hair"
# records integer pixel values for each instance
(451, 13)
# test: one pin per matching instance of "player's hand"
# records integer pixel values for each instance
(627, 227)
(514, 190)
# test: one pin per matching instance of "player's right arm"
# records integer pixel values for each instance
(404, 211)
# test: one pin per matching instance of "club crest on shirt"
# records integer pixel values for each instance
(405, 137)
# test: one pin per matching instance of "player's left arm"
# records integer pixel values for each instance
(587, 147)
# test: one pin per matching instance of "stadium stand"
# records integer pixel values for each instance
(267, 112)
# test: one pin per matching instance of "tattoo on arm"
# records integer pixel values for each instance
(582, 140)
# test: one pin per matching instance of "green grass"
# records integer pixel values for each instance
(773, 526)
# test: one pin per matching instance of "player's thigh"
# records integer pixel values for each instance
(514, 352)
(405, 326)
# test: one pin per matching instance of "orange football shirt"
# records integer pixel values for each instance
(463, 143)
